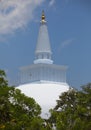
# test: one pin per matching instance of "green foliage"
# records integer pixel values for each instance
(73, 110)
(17, 111)
(3, 81)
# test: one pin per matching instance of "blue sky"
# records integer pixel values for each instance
(69, 26)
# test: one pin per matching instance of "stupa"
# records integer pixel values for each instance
(43, 80)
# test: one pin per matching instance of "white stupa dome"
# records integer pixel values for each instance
(45, 94)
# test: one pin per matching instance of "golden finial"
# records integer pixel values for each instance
(43, 17)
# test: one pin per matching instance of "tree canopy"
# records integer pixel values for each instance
(17, 111)
(73, 110)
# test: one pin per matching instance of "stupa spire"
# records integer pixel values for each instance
(43, 17)
(43, 48)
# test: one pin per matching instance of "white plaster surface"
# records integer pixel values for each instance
(45, 94)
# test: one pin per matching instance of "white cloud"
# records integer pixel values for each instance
(15, 14)
(52, 2)
(67, 42)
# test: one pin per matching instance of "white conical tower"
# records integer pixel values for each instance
(43, 48)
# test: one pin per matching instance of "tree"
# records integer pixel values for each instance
(17, 111)
(3, 81)
(73, 110)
